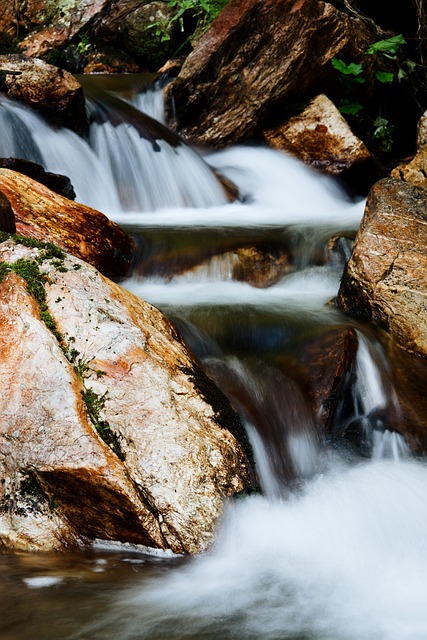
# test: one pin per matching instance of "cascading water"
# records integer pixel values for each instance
(334, 549)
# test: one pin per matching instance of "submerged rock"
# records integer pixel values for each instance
(54, 93)
(385, 278)
(45, 215)
(255, 56)
(106, 414)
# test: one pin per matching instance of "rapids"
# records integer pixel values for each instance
(334, 547)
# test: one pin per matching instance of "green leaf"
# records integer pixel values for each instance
(349, 107)
(384, 76)
(351, 69)
(390, 45)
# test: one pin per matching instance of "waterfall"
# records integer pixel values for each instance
(333, 547)
(171, 176)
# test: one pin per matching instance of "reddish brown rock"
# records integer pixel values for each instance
(55, 181)
(54, 93)
(257, 55)
(114, 372)
(385, 278)
(45, 215)
(323, 367)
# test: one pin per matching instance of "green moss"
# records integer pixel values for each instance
(4, 270)
(94, 405)
(29, 270)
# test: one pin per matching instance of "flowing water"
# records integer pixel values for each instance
(334, 547)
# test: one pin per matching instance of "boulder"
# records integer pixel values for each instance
(54, 181)
(54, 24)
(385, 278)
(131, 24)
(105, 415)
(256, 56)
(414, 171)
(54, 93)
(322, 138)
(45, 215)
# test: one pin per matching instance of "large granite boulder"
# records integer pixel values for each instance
(45, 215)
(385, 278)
(108, 428)
(53, 92)
(257, 55)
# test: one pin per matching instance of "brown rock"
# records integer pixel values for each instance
(8, 19)
(414, 171)
(322, 138)
(7, 217)
(176, 458)
(45, 215)
(410, 381)
(54, 93)
(323, 368)
(54, 24)
(58, 183)
(262, 266)
(257, 55)
(385, 278)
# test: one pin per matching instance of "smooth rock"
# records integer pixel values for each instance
(178, 459)
(45, 215)
(385, 278)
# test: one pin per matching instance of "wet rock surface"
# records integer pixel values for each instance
(385, 278)
(45, 215)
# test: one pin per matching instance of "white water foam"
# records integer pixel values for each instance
(346, 560)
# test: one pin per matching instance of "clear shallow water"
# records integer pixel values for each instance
(335, 549)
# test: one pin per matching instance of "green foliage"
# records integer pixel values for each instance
(203, 12)
(351, 69)
(384, 76)
(94, 405)
(388, 47)
(350, 76)
(383, 132)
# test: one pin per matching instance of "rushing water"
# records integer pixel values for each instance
(334, 548)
